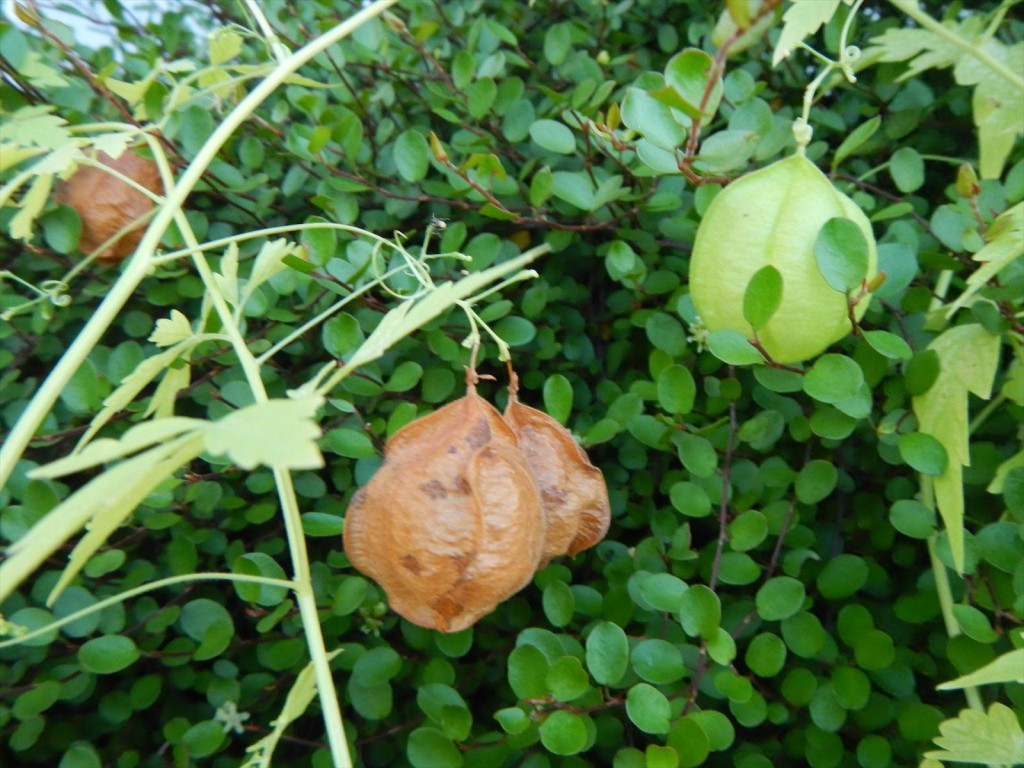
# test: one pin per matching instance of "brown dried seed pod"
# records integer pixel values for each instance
(106, 204)
(451, 524)
(573, 492)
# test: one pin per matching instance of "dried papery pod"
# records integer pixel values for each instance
(573, 492)
(451, 524)
(106, 204)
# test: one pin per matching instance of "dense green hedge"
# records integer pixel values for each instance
(777, 587)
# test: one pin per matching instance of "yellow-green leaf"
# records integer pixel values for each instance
(968, 360)
(993, 738)
(31, 206)
(1008, 668)
(802, 18)
(1004, 243)
(276, 433)
(170, 331)
(225, 44)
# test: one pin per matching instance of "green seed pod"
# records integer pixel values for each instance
(773, 217)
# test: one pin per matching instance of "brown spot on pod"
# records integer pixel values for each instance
(573, 491)
(449, 534)
(106, 205)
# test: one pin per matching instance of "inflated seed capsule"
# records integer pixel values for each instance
(572, 490)
(451, 524)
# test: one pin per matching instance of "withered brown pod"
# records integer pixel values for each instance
(106, 204)
(451, 524)
(573, 492)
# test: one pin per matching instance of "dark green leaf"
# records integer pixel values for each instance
(676, 390)
(563, 733)
(924, 453)
(108, 654)
(607, 653)
(779, 598)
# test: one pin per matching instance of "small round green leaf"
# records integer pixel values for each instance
(762, 296)
(912, 518)
(732, 347)
(512, 720)
(907, 169)
(108, 654)
(779, 598)
(209, 623)
(921, 372)
(558, 397)
(607, 653)
(676, 389)
(553, 136)
(657, 661)
(203, 739)
(842, 577)
(527, 672)
(924, 453)
(700, 611)
(376, 667)
(567, 679)
(766, 655)
(430, 748)
(412, 155)
(816, 480)
(841, 251)
(833, 378)
(563, 733)
(558, 603)
(888, 344)
(648, 709)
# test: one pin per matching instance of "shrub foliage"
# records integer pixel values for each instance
(800, 555)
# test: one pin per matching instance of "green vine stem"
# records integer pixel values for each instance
(140, 264)
(121, 597)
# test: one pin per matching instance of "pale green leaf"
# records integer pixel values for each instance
(276, 433)
(968, 360)
(1008, 668)
(61, 161)
(161, 404)
(133, 93)
(299, 698)
(802, 18)
(130, 387)
(172, 330)
(101, 451)
(113, 143)
(267, 264)
(1004, 243)
(930, 50)
(114, 495)
(30, 207)
(40, 75)
(994, 737)
(12, 154)
(999, 480)
(227, 279)
(36, 126)
(224, 44)
(410, 315)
